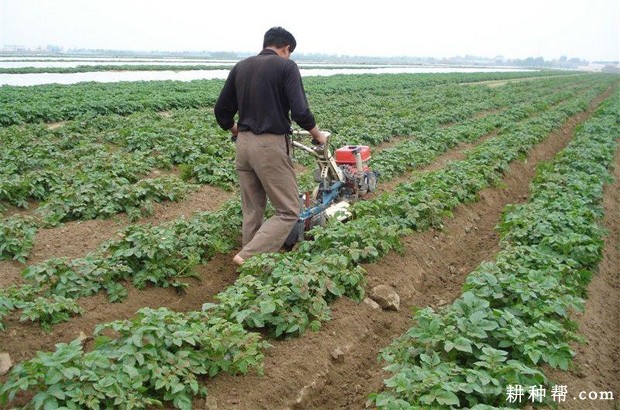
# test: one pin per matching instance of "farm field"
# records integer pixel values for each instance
(120, 216)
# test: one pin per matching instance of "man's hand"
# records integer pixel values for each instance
(322, 138)
(233, 132)
(319, 136)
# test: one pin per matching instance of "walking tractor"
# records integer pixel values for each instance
(342, 179)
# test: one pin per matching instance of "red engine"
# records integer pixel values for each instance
(347, 155)
(353, 160)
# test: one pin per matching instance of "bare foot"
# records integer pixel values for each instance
(238, 260)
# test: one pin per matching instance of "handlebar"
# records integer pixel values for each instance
(318, 150)
(305, 133)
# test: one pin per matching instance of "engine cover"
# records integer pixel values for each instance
(346, 154)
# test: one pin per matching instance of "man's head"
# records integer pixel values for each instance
(278, 37)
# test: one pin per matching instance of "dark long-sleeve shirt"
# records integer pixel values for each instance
(264, 89)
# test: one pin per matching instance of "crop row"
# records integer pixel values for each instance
(161, 253)
(157, 136)
(92, 168)
(76, 174)
(145, 255)
(376, 112)
(422, 149)
(284, 294)
(514, 315)
(50, 103)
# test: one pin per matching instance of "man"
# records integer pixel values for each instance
(263, 89)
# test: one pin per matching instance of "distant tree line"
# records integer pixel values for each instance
(467, 60)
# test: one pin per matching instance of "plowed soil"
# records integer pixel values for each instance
(302, 372)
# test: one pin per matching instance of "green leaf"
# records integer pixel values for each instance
(267, 306)
(57, 392)
(160, 383)
(107, 381)
(131, 371)
(463, 344)
(447, 398)
(426, 358)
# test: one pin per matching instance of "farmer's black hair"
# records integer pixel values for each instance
(279, 37)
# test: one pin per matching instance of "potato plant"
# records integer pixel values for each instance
(287, 294)
(514, 314)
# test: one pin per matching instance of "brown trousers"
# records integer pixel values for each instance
(266, 171)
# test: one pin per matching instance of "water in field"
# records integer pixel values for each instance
(189, 75)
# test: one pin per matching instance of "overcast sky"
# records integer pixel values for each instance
(587, 29)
